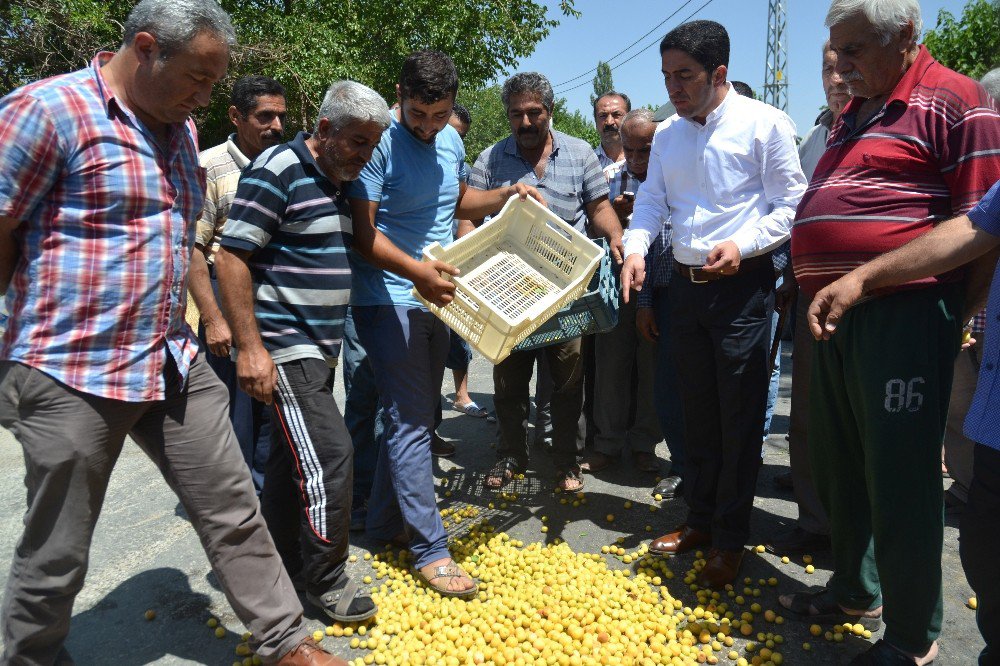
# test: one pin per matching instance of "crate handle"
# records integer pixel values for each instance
(559, 230)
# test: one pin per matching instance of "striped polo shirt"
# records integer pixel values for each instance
(572, 179)
(929, 154)
(297, 224)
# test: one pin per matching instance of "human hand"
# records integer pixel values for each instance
(784, 296)
(830, 304)
(431, 285)
(633, 274)
(524, 191)
(257, 374)
(623, 206)
(724, 258)
(218, 336)
(645, 321)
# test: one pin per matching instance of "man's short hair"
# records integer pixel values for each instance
(349, 102)
(248, 89)
(174, 23)
(636, 117)
(463, 114)
(991, 81)
(743, 89)
(705, 41)
(428, 77)
(531, 83)
(888, 17)
(614, 93)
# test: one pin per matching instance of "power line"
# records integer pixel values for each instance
(637, 53)
(609, 60)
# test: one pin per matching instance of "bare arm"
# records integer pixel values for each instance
(217, 332)
(379, 250)
(9, 253)
(977, 282)
(947, 246)
(255, 370)
(465, 226)
(474, 204)
(605, 222)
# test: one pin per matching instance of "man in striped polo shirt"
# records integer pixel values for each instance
(918, 144)
(285, 285)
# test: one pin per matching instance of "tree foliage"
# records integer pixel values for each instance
(305, 44)
(971, 43)
(602, 81)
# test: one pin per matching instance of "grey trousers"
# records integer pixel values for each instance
(71, 441)
(620, 351)
(812, 516)
(958, 449)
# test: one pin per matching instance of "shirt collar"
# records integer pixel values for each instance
(234, 151)
(301, 150)
(717, 112)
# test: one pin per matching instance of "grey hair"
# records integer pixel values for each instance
(174, 23)
(637, 116)
(886, 16)
(991, 81)
(349, 102)
(528, 82)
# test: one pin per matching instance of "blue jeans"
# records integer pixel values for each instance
(408, 346)
(362, 412)
(772, 388)
(666, 392)
(249, 417)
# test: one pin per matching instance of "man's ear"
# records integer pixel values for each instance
(145, 47)
(234, 114)
(719, 75)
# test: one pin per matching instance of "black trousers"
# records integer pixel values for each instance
(979, 543)
(720, 332)
(309, 477)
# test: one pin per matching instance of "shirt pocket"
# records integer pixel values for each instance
(563, 201)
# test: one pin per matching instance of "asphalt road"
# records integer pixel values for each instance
(146, 556)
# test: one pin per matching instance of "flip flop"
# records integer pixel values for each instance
(471, 409)
(828, 611)
(449, 571)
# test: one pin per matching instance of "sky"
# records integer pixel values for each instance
(605, 28)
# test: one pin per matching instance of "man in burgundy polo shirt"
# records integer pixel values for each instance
(918, 144)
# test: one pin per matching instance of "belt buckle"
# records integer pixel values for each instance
(691, 270)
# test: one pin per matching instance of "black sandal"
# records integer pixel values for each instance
(504, 469)
(828, 611)
(882, 654)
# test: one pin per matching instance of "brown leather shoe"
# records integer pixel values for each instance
(680, 541)
(309, 653)
(721, 568)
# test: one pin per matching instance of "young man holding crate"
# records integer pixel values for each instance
(568, 172)
(405, 199)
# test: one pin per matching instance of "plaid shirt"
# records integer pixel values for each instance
(659, 267)
(108, 215)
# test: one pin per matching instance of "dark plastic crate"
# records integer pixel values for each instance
(594, 312)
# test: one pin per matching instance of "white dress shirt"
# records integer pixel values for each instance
(735, 178)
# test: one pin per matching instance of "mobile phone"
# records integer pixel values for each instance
(629, 195)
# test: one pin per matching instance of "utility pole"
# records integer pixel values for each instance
(775, 76)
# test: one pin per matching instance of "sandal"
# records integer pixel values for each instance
(470, 409)
(884, 654)
(449, 571)
(348, 602)
(819, 606)
(503, 472)
(571, 474)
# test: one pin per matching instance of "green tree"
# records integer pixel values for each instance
(306, 44)
(970, 44)
(602, 81)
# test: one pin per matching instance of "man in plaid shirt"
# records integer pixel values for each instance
(99, 192)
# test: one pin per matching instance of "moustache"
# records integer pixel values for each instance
(852, 77)
(525, 131)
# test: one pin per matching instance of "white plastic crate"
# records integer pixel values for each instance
(517, 271)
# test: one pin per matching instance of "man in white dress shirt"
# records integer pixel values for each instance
(725, 171)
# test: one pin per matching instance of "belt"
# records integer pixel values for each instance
(698, 275)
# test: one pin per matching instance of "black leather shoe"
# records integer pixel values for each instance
(797, 541)
(669, 488)
(441, 448)
(784, 482)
